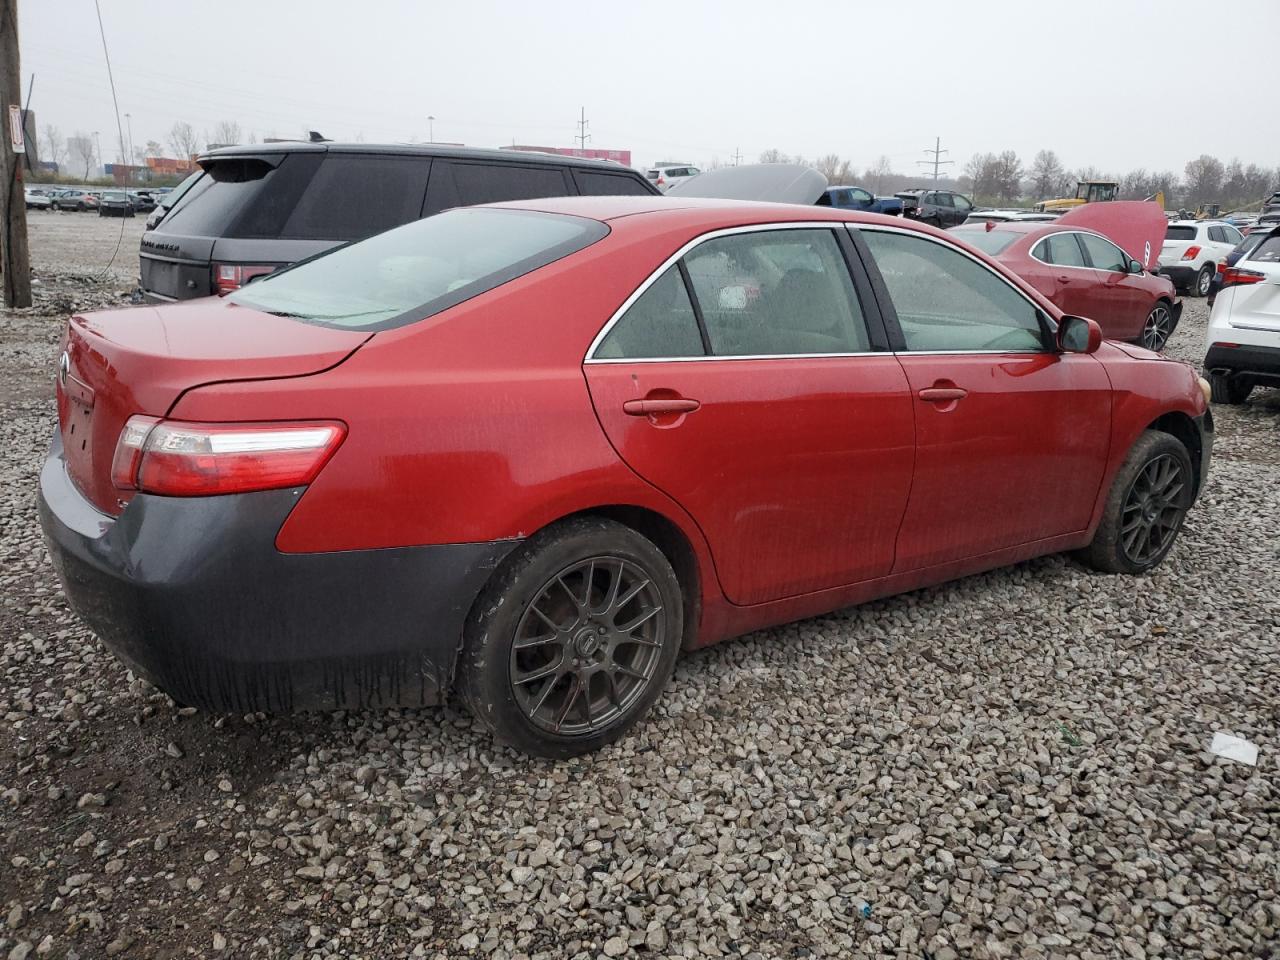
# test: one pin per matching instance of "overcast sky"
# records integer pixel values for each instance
(1118, 84)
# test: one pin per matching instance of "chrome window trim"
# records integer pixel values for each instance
(829, 225)
(1040, 311)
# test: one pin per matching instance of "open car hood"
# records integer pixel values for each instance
(1137, 226)
(772, 182)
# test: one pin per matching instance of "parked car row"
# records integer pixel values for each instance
(77, 200)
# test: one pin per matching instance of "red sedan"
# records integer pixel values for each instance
(527, 453)
(1085, 274)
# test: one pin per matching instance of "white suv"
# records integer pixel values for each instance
(1244, 327)
(1192, 251)
(664, 175)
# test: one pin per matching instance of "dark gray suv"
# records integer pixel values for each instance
(264, 206)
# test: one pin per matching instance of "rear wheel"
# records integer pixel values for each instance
(1158, 327)
(1230, 388)
(574, 639)
(1149, 498)
(1205, 277)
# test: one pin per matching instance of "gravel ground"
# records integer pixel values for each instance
(1013, 765)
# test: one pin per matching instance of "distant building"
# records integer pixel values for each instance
(591, 153)
(128, 174)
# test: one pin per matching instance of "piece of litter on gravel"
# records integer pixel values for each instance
(1233, 748)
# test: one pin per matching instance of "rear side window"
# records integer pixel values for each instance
(420, 269)
(357, 196)
(777, 292)
(1062, 249)
(661, 323)
(209, 207)
(456, 184)
(946, 301)
(1180, 233)
(591, 184)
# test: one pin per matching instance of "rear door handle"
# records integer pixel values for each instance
(943, 394)
(647, 408)
(1063, 279)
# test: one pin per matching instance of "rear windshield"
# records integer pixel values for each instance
(207, 209)
(988, 241)
(417, 270)
(1268, 251)
(1180, 233)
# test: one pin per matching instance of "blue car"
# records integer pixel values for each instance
(855, 198)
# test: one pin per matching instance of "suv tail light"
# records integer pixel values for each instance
(1192, 252)
(233, 276)
(178, 459)
(1234, 276)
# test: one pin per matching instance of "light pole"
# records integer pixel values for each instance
(128, 120)
(98, 140)
(431, 129)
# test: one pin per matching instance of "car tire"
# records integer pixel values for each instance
(1229, 388)
(54, 206)
(1200, 288)
(1145, 507)
(1157, 328)
(572, 582)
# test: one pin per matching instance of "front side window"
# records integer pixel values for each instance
(946, 301)
(861, 196)
(1103, 254)
(661, 323)
(961, 203)
(420, 269)
(1232, 234)
(944, 199)
(777, 292)
(1217, 235)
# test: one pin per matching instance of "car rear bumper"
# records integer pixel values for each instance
(193, 595)
(1260, 363)
(1181, 276)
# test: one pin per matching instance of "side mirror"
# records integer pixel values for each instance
(1135, 266)
(1078, 335)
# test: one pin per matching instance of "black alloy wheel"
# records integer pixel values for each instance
(1158, 328)
(588, 646)
(573, 639)
(1153, 509)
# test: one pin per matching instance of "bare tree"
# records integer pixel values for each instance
(227, 131)
(183, 140)
(80, 151)
(1008, 175)
(54, 147)
(152, 149)
(881, 174)
(1204, 179)
(836, 170)
(774, 155)
(981, 171)
(1046, 172)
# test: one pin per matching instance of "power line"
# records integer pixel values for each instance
(582, 136)
(937, 160)
(737, 156)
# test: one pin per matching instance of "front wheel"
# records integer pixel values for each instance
(1158, 327)
(573, 640)
(1149, 498)
(1203, 279)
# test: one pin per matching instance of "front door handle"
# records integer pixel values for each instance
(649, 408)
(943, 394)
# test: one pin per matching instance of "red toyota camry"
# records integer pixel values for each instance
(527, 453)
(1086, 273)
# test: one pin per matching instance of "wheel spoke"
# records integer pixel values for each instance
(628, 672)
(569, 591)
(530, 642)
(640, 641)
(1131, 538)
(627, 597)
(542, 697)
(544, 671)
(586, 586)
(575, 686)
(533, 608)
(640, 620)
(586, 703)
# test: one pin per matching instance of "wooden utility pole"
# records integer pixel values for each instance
(15, 259)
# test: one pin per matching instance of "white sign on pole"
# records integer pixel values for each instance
(16, 137)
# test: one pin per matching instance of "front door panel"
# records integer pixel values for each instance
(1019, 458)
(797, 470)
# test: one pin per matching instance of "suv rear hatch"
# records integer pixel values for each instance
(140, 361)
(241, 195)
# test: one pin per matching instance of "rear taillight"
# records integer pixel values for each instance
(233, 276)
(178, 459)
(1191, 253)
(1234, 276)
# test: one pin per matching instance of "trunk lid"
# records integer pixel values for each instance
(140, 361)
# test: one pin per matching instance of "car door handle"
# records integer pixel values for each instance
(943, 394)
(1062, 278)
(648, 408)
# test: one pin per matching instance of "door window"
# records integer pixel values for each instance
(943, 199)
(961, 203)
(1233, 235)
(946, 301)
(1061, 249)
(357, 196)
(455, 184)
(661, 323)
(592, 184)
(777, 292)
(1216, 235)
(861, 196)
(1103, 254)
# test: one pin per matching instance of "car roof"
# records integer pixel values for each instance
(409, 150)
(695, 211)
